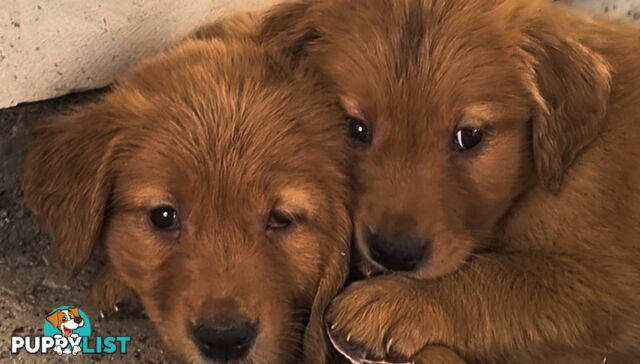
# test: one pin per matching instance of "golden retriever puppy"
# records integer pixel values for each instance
(498, 176)
(215, 174)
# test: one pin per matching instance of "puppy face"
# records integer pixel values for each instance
(420, 192)
(66, 320)
(453, 108)
(223, 190)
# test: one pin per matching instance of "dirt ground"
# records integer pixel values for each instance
(29, 286)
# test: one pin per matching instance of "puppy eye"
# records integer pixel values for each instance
(465, 139)
(358, 130)
(164, 218)
(278, 221)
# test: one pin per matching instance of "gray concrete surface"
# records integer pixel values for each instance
(50, 47)
(30, 287)
(612, 9)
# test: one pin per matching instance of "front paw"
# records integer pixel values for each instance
(383, 319)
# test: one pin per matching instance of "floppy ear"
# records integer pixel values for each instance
(55, 319)
(571, 85)
(74, 311)
(67, 181)
(288, 28)
(316, 342)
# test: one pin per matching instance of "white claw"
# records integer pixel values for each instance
(348, 337)
(333, 327)
(115, 308)
(389, 343)
(101, 314)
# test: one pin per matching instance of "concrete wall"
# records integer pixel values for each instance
(613, 9)
(52, 47)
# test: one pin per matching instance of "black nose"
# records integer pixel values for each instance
(226, 339)
(397, 252)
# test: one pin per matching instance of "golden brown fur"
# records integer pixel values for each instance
(239, 25)
(226, 132)
(535, 235)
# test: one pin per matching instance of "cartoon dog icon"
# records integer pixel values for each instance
(66, 321)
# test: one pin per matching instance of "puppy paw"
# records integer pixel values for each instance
(384, 319)
(109, 291)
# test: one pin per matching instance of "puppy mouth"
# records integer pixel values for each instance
(355, 353)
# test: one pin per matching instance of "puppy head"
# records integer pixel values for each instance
(68, 319)
(455, 107)
(216, 178)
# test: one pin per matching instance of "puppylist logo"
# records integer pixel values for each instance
(67, 331)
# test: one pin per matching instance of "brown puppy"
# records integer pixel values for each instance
(216, 177)
(498, 144)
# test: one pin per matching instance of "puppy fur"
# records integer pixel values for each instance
(534, 234)
(226, 132)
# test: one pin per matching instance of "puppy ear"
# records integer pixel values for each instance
(74, 311)
(55, 319)
(316, 341)
(67, 181)
(288, 28)
(571, 85)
